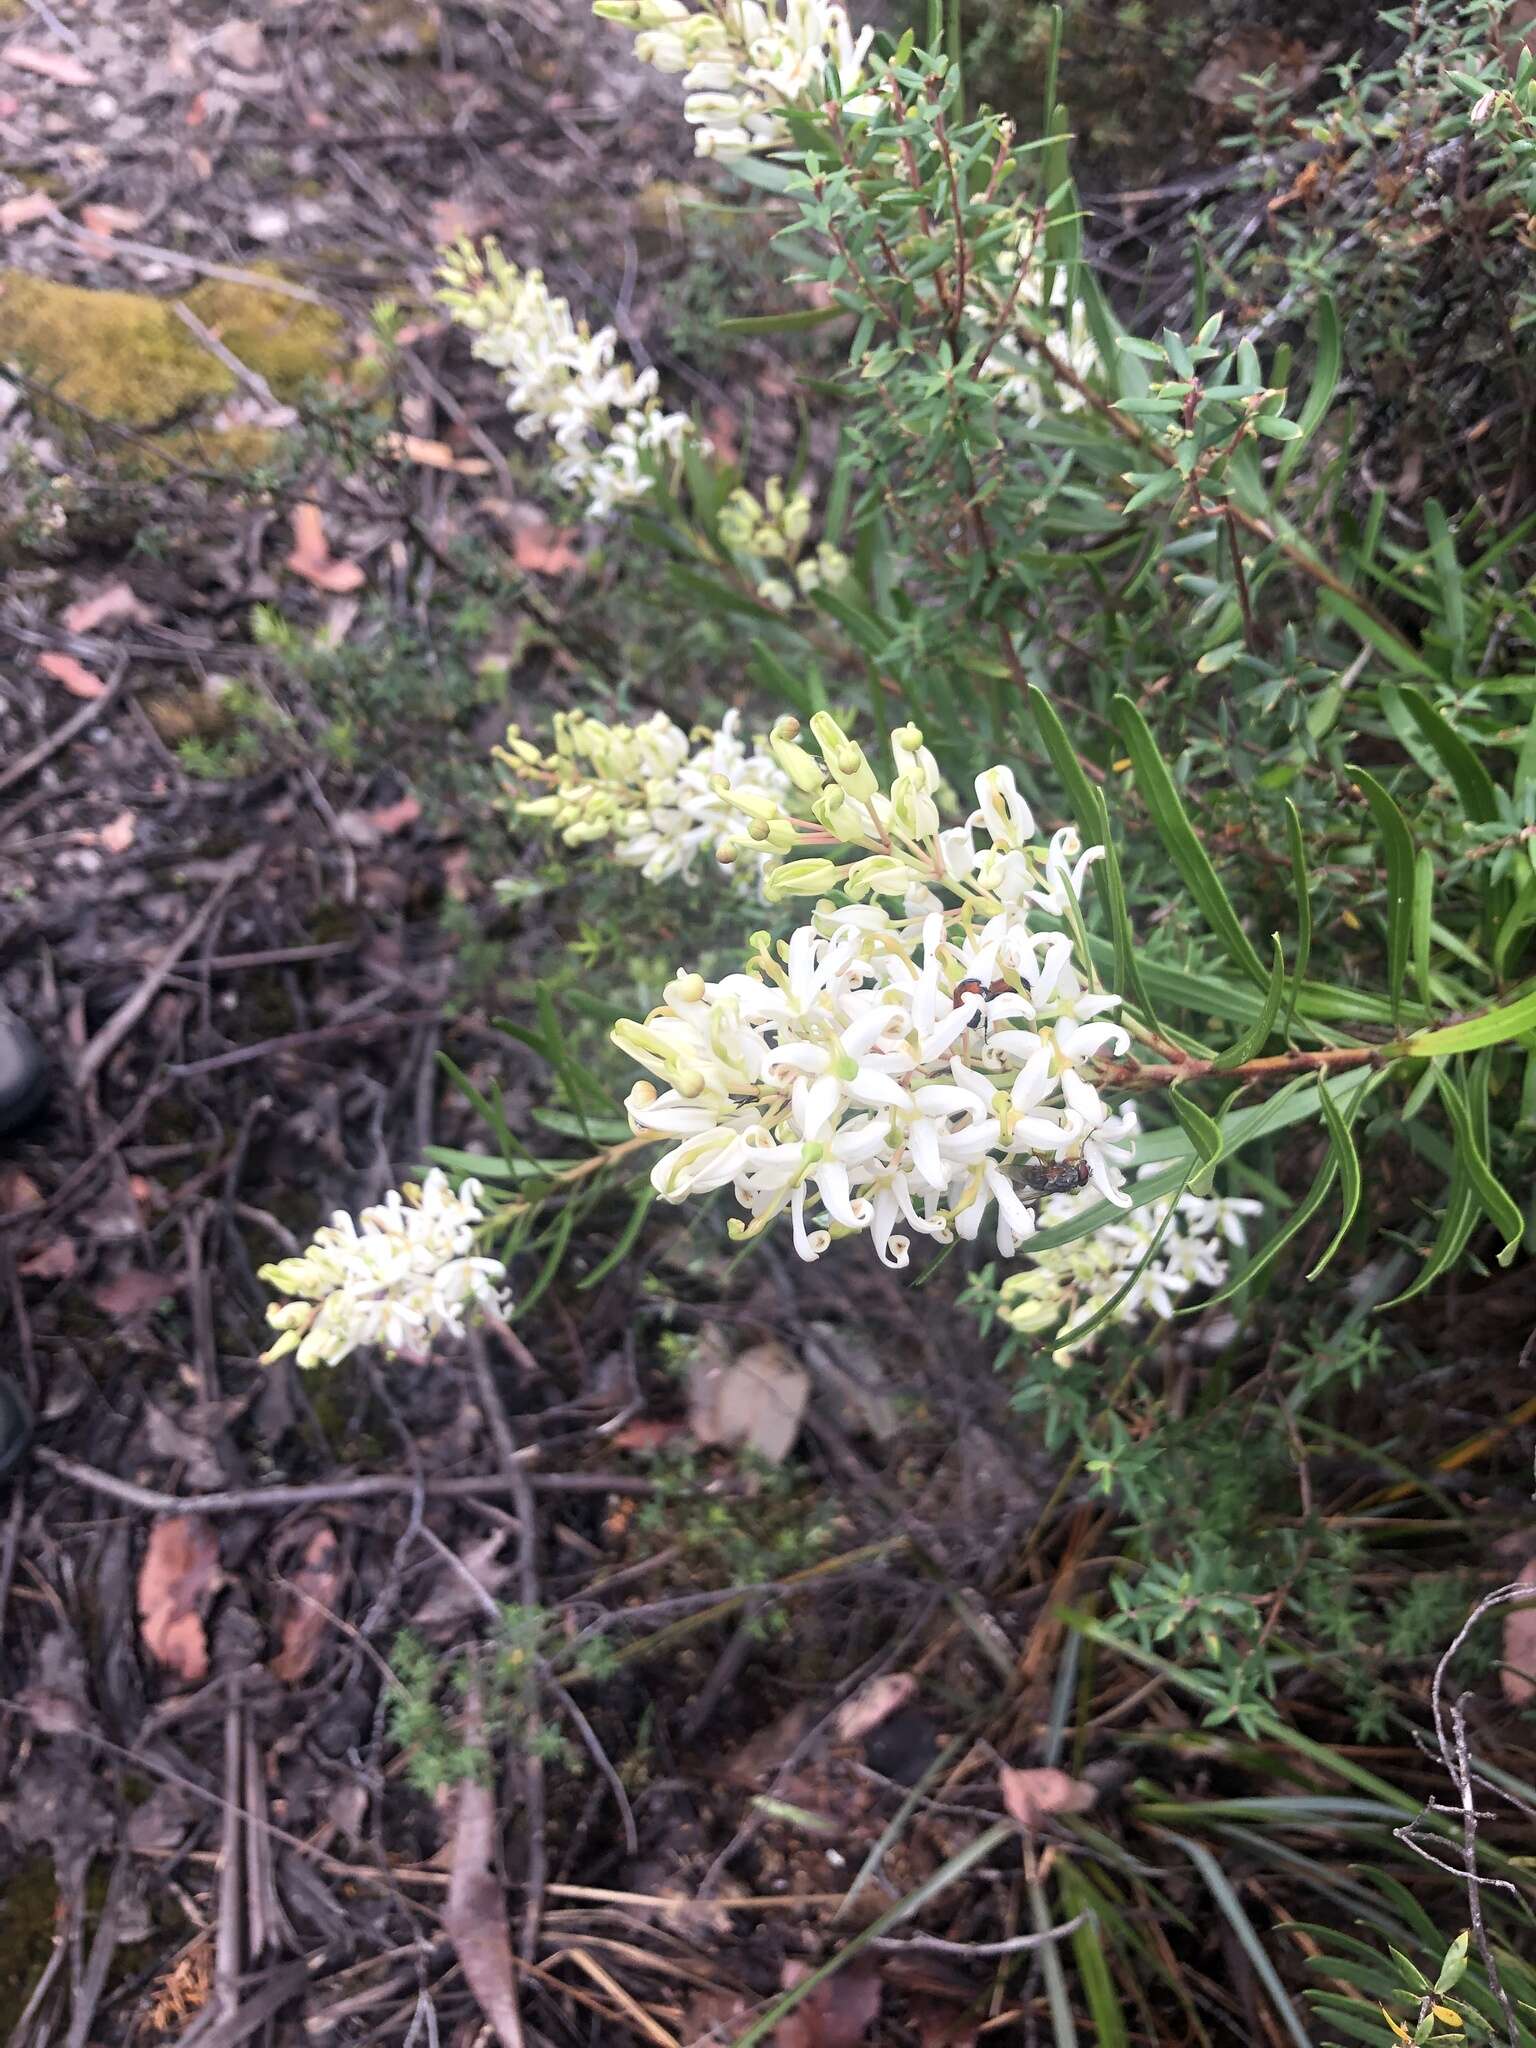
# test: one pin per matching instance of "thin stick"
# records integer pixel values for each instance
(370, 1486)
(121, 1022)
(19, 770)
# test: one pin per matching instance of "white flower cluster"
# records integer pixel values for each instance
(905, 1073)
(652, 789)
(562, 379)
(773, 531)
(405, 1271)
(1066, 1286)
(744, 62)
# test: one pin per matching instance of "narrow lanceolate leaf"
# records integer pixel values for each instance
(1423, 920)
(1325, 381)
(1498, 1026)
(1303, 888)
(1471, 780)
(1252, 1042)
(1203, 1132)
(1178, 835)
(1397, 845)
(1348, 1162)
(1453, 602)
(1092, 815)
(1494, 1198)
(1456, 1225)
(1220, 1887)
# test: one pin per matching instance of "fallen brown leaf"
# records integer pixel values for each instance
(1239, 58)
(451, 220)
(546, 549)
(58, 65)
(453, 1598)
(24, 210)
(475, 1916)
(132, 1292)
(393, 818)
(74, 675)
(177, 1580)
(312, 559)
(110, 220)
(55, 1260)
(645, 1435)
(119, 835)
(1034, 1795)
(18, 1190)
(754, 1403)
(240, 43)
(874, 1703)
(104, 608)
(309, 1601)
(837, 2014)
(1518, 1676)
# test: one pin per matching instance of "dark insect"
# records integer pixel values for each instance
(1056, 1176)
(972, 987)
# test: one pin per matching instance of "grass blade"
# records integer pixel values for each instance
(1397, 845)
(1231, 1906)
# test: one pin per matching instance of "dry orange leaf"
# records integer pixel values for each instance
(1518, 1677)
(118, 836)
(393, 818)
(177, 1580)
(55, 64)
(79, 680)
(132, 1293)
(308, 1604)
(874, 1703)
(1033, 1796)
(54, 1260)
(110, 220)
(312, 559)
(103, 608)
(546, 549)
(23, 210)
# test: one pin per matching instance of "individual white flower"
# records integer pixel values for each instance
(562, 379)
(404, 1272)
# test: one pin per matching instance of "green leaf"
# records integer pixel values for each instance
(1303, 888)
(1109, 1309)
(1456, 1226)
(1203, 1133)
(1471, 780)
(1398, 846)
(1252, 1042)
(1178, 835)
(1325, 380)
(795, 322)
(1499, 1205)
(1231, 1907)
(1498, 1026)
(1375, 633)
(1347, 1159)
(1442, 552)
(625, 1240)
(1423, 920)
(559, 1238)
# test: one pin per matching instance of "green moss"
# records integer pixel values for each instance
(125, 357)
(28, 1900)
(286, 340)
(121, 356)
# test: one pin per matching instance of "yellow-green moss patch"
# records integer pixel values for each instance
(120, 356)
(288, 341)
